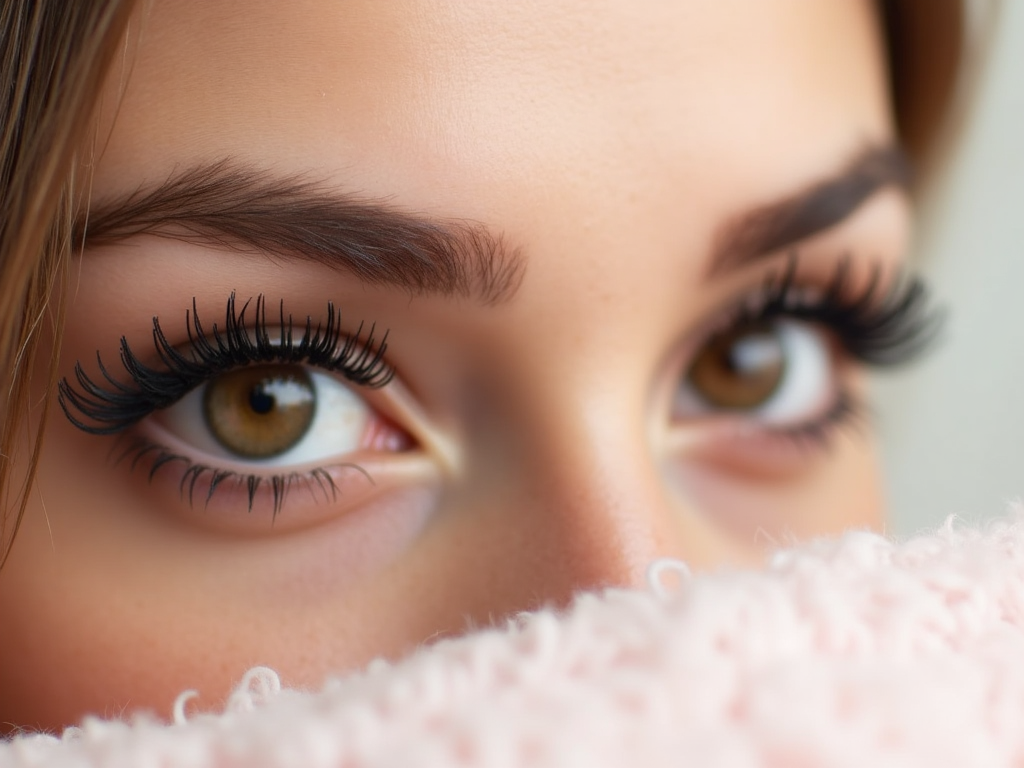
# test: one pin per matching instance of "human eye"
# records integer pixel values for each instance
(253, 410)
(776, 368)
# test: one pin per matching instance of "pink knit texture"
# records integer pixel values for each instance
(851, 652)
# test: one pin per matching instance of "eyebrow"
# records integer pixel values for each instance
(225, 204)
(766, 230)
(232, 206)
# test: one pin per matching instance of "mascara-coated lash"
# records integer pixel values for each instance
(109, 406)
(881, 326)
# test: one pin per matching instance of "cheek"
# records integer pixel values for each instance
(110, 607)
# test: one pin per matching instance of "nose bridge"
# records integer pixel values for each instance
(564, 485)
(602, 513)
(592, 491)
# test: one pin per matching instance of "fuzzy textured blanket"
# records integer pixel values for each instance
(850, 652)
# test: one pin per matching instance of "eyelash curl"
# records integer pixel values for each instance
(110, 407)
(880, 326)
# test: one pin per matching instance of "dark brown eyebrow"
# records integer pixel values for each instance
(228, 205)
(767, 230)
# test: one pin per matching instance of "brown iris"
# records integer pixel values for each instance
(741, 368)
(260, 411)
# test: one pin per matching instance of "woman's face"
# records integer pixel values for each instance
(601, 238)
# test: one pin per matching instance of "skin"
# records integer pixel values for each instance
(608, 146)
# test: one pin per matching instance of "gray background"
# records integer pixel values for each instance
(952, 428)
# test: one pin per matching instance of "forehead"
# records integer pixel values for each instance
(483, 109)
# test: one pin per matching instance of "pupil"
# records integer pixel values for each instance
(260, 401)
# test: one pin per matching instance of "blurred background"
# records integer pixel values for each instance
(952, 427)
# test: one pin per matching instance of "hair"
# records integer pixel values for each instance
(54, 57)
(925, 42)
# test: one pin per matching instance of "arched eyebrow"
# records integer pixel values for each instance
(768, 229)
(232, 206)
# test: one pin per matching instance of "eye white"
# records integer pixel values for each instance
(807, 384)
(339, 423)
(805, 390)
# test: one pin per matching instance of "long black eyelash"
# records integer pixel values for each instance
(318, 481)
(877, 325)
(108, 406)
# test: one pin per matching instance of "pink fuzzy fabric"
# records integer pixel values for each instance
(852, 652)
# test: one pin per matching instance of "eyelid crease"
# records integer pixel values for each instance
(109, 406)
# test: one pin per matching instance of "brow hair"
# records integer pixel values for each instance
(778, 225)
(228, 205)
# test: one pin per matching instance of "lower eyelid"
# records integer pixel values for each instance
(742, 449)
(320, 546)
(245, 500)
(756, 449)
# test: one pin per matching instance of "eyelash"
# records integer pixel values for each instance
(114, 407)
(317, 479)
(878, 326)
